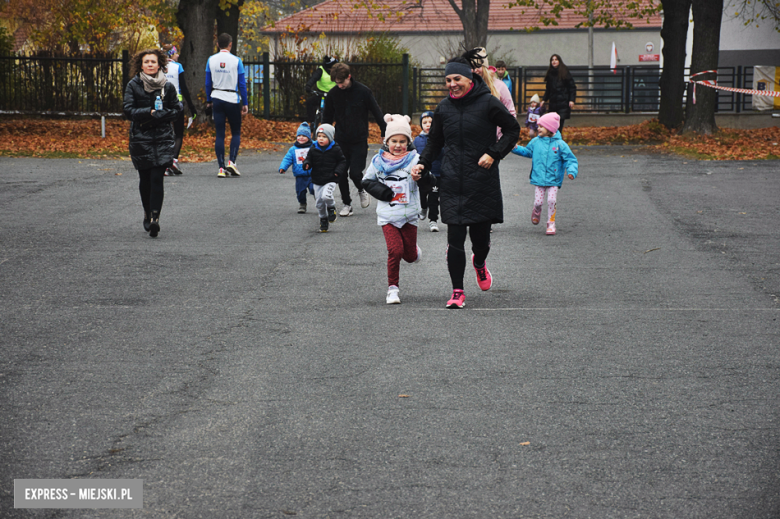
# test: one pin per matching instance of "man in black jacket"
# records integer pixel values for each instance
(348, 106)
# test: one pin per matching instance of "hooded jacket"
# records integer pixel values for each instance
(552, 160)
(295, 157)
(325, 164)
(465, 129)
(151, 135)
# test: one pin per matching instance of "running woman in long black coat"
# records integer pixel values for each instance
(464, 126)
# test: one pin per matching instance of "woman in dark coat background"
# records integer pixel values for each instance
(152, 139)
(560, 92)
(464, 127)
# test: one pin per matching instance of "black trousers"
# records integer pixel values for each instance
(151, 187)
(356, 155)
(178, 132)
(456, 252)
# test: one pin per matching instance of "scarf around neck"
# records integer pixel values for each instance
(386, 163)
(153, 83)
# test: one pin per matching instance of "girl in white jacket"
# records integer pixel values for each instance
(390, 180)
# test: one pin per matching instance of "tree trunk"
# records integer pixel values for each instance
(674, 34)
(227, 21)
(474, 18)
(707, 16)
(196, 20)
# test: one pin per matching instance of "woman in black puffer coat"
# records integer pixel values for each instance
(464, 127)
(560, 92)
(152, 138)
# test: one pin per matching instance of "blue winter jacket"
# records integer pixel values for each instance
(419, 143)
(552, 159)
(289, 160)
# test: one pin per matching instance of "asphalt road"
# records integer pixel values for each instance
(245, 366)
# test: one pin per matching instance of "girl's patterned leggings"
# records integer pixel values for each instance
(552, 198)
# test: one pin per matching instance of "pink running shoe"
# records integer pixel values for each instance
(458, 299)
(536, 214)
(550, 228)
(484, 279)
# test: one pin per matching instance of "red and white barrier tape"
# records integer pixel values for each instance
(714, 84)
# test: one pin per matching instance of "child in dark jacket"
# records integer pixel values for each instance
(295, 157)
(429, 199)
(327, 164)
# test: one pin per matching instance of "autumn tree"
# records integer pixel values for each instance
(97, 26)
(757, 11)
(707, 17)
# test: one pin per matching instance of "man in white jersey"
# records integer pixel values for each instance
(226, 93)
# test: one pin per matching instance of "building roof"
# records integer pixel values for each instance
(410, 16)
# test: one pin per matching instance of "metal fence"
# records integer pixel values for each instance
(285, 95)
(44, 84)
(68, 85)
(628, 89)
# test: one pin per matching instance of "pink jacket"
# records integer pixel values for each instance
(506, 100)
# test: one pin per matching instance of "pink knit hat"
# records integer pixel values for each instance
(551, 121)
(398, 124)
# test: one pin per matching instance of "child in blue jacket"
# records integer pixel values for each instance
(429, 198)
(552, 158)
(295, 157)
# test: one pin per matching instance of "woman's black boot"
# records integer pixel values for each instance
(154, 224)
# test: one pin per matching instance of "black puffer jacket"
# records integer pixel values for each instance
(326, 165)
(558, 93)
(151, 136)
(466, 129)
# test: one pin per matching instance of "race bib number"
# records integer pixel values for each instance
(533, 117)
(300, 155)
(400, 191)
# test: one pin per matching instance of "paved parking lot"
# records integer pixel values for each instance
(243, 365)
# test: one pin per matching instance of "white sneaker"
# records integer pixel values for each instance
(419, 255)
(424, 214)
(365, 201)
(392, 296)
(434, 227)
(346, 211)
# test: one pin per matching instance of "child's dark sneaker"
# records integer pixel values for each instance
(301, 208)
(331, 214)
(323, 225)
(458, 299)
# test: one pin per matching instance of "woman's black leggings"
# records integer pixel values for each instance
(456, 252)
(151, 187)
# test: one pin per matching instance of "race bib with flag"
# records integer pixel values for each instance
(300, 155)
